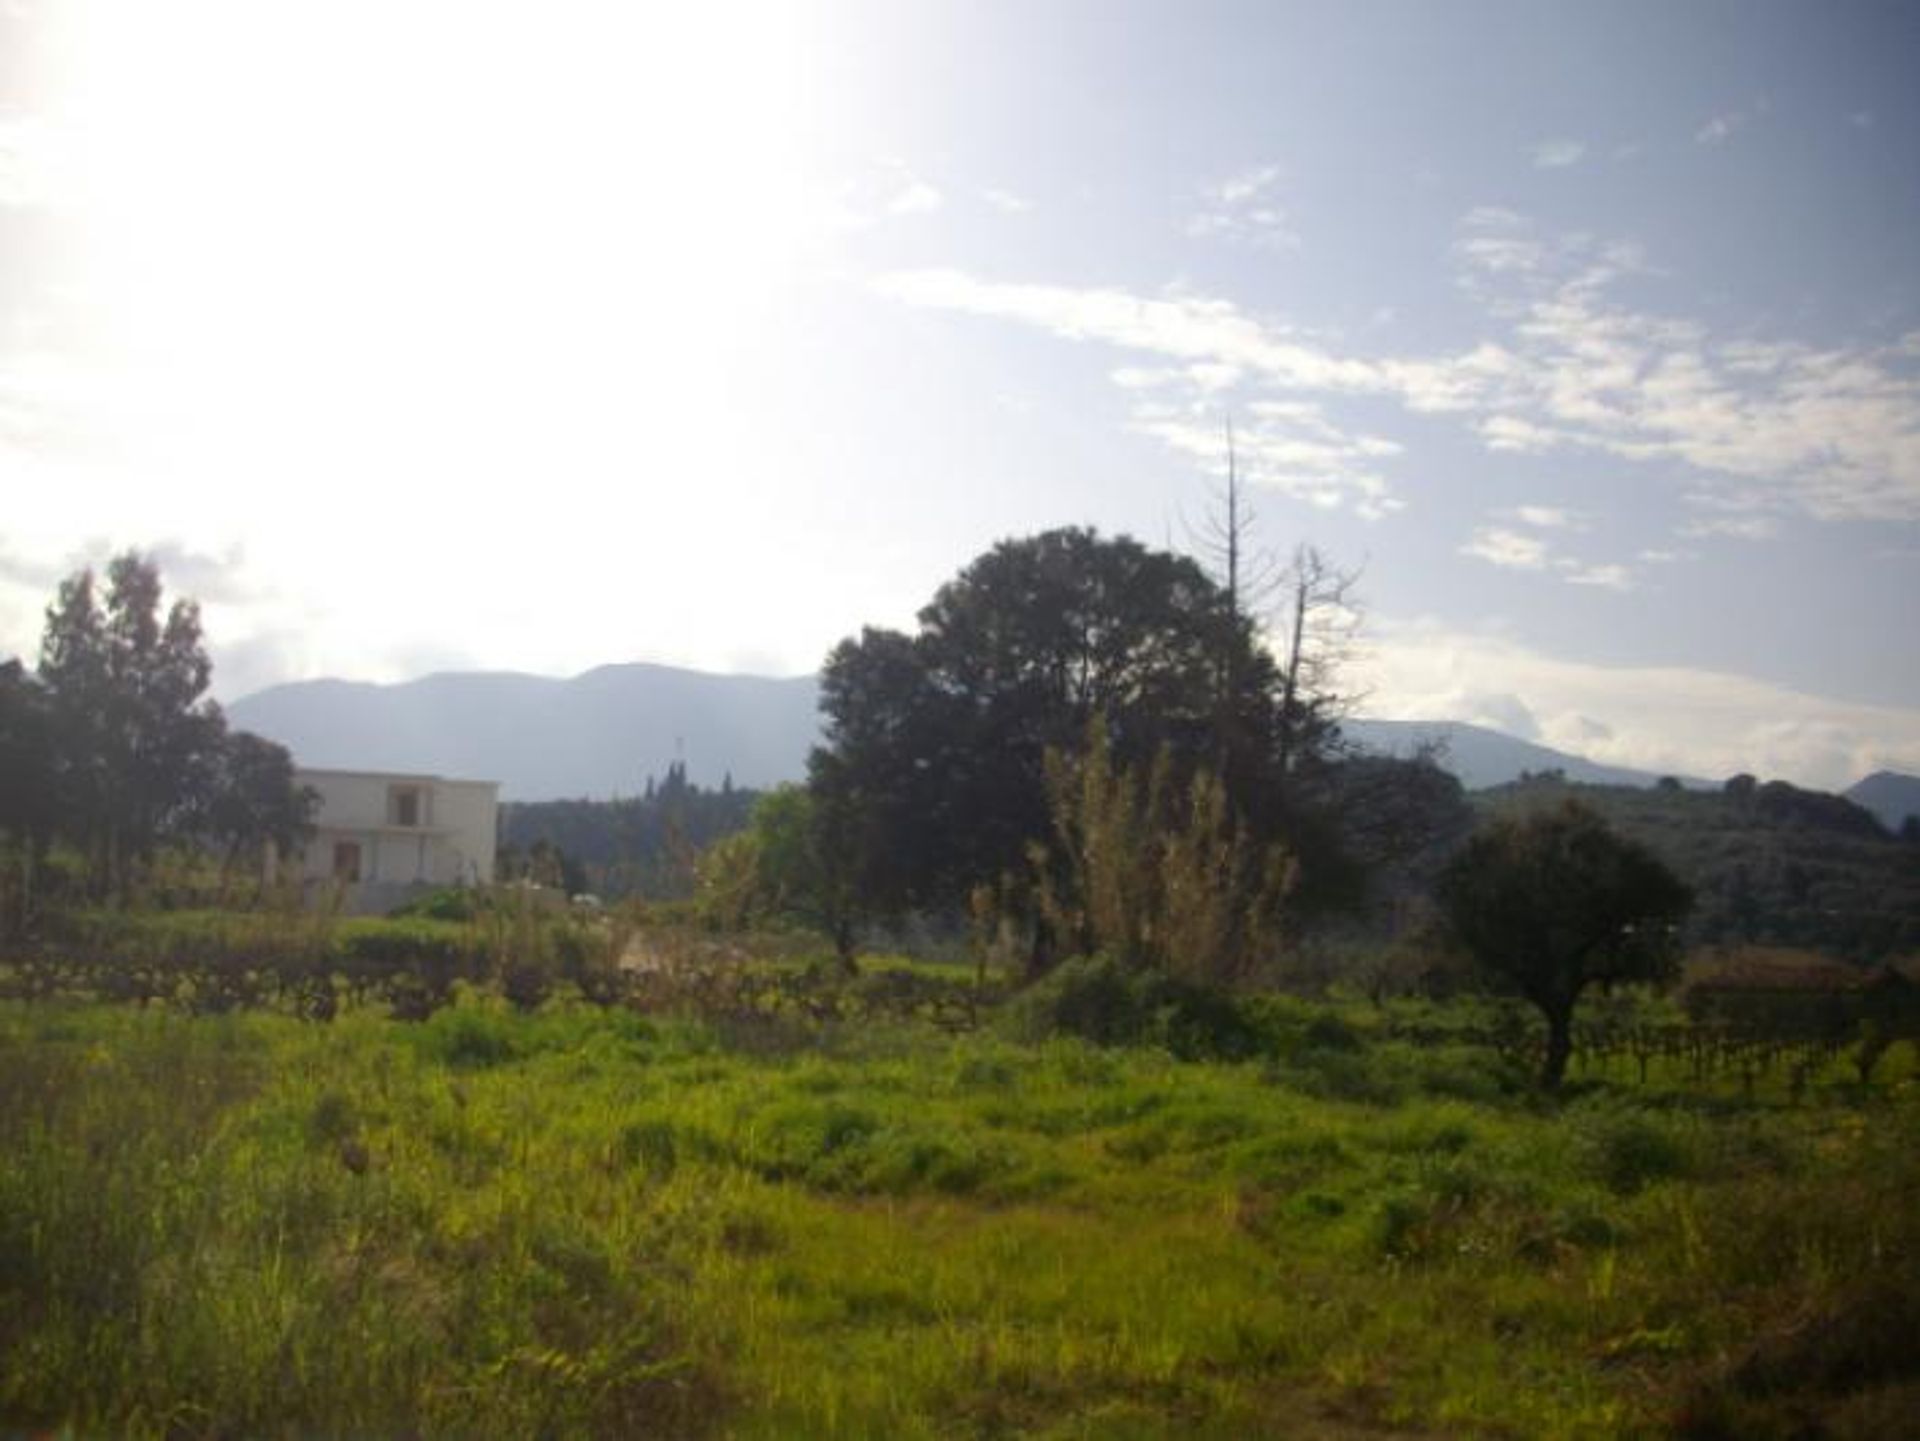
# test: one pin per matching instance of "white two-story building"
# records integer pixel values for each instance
(381, 838)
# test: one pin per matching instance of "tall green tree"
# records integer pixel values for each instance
(136, 739)
(1552, 902)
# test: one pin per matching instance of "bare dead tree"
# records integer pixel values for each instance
(1224, 539)
(1249, 576)
(1319, 616)
(1309, 607)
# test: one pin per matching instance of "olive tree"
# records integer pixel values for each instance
(1551, 902)
(787, 866)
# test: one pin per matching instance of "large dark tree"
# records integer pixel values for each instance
(29, 807)
(936, 742)
(1552, 902)
(29, 803)
(251, 801)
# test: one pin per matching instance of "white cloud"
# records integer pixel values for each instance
(1489, 217)
(1500, 710)
(1557, 154)
(1664, 719)
(1006, 201)
(1739, 527)
(1509, 549)
(1609, 577)
(1720, 128)
(1523, 550)
(1180, 327)
(1237, 209)
(1832, 432)
(1247, 185)
(1511, 433)
(1777, 426)
(882, 190)
(1547, 517)
(916, 197)
(1297, 454)
(1497, 254)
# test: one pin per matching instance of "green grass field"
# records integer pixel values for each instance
(590, 1222)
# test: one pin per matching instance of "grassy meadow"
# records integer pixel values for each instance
(581, 1220)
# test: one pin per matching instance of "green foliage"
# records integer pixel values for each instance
(642, 846)
(1769, 864)
(784, 869)
(1633, 1150)
(1110, 1004)
(452, 903)
(1550, 902)
(936, 743)
(112, 747)
(133, 740)
(251, 799)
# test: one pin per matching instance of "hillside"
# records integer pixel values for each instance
(1768, 863)
(603, 733)
(598, 734)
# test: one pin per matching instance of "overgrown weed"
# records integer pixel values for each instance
(586, 1221)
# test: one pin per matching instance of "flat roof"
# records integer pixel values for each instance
(422, 776)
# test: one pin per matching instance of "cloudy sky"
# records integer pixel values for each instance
(428, 336)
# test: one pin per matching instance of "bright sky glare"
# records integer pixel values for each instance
(417, 336)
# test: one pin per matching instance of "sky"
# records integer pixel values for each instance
(425, 336)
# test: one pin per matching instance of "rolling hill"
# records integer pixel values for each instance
(1769, 863)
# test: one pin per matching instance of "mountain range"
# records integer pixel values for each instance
(593, 735)
(604, 732)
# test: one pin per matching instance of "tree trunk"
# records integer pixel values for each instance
(1559, 1046)
(843, 938)
(1040, 956)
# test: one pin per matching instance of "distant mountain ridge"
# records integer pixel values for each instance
(1482, 757)
(1889, 795)
(598, 734)
(602, 733)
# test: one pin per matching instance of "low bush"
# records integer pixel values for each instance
(451, 903)
(1101, 1001)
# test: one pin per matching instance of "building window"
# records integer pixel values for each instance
(403, 806)
(346, 861)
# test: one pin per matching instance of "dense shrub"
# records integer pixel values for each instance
(452, 903)
(1628, 1152)
(1101, 1001)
